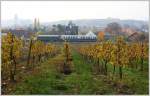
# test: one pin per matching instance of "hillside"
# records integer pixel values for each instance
(80, 22)
(101, 22)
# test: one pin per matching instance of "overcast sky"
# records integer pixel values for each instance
(70, 10)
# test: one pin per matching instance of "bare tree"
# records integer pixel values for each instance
(114, 28)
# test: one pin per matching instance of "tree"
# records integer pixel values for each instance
(132, 51)
(61, 29)
(11, 52)
(29, 53)
(142, 53)
(114, 28)
(120, 56)
(106, 53)
(68, 59)
(101, 36)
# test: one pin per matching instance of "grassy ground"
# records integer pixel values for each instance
(45, 79)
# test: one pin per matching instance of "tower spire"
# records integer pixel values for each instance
(38, 23)
(35, 24)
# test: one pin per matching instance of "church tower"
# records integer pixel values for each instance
(36, 24)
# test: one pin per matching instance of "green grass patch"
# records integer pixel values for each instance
(47, 80)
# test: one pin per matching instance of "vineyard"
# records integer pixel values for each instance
(103, 67)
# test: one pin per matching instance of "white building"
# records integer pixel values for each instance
(90, 36)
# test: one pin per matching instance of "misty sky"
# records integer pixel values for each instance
(70, 10)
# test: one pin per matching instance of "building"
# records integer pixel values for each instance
(71, 29)
(49, 38)
(59, 29)
(89, 37)
(90, 34)
(3, 34)
(21, 32)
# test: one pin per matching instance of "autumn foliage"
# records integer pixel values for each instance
(119, 53)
